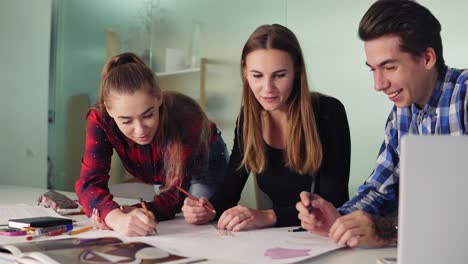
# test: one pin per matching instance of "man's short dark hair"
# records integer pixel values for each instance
(416, 26)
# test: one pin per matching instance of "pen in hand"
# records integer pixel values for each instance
(312, 191)
(143, 205)
(196, 199)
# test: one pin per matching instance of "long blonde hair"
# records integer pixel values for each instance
(303, 149)
(126, 73)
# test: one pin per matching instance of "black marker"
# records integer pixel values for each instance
(299, 229)
(312, 191)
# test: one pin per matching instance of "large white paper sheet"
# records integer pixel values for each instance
(205, 241)
(242, 247)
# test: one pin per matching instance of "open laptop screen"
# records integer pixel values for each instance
(433, 206)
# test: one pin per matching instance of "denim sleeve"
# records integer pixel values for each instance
(209, 177)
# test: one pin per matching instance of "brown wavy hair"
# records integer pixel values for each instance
(127, 73)
(303, 151)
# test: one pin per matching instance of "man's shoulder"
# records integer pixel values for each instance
(463, 78)
(398, 120)
(457, 76)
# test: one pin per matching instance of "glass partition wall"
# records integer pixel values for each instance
(194, 47)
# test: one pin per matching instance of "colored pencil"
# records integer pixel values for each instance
(81, 230)
(196, 199)
(143, 205)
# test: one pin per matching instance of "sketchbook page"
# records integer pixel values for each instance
(60, 250)
(65, 243)
(57, 244)
(269, 245)
(36, 258)
(6, 258)
(24, 211)
(12, 249)
(96, 233)
(133, 252)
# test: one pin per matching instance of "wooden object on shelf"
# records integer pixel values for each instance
(111, 42)
(75, 137)
(202, 83)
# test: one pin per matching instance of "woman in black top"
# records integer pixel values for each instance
(285, 135)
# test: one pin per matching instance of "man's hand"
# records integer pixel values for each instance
(320, 218)
(361, 229)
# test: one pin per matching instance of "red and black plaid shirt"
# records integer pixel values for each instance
(142, 161)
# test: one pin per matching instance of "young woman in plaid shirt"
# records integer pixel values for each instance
(162, 138)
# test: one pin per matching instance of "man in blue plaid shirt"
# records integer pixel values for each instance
(404, 51)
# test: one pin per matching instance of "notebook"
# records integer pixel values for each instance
(433, 206)
(41, 221)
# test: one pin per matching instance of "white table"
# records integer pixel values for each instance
(11, 195)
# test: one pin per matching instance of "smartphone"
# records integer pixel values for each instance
(12, 232)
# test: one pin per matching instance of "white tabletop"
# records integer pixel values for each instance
(13, 195)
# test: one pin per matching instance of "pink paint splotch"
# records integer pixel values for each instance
(283, 253)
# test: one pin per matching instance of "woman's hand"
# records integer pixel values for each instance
(195, 213)
(97, 222)
(127, 220)
(241, 218)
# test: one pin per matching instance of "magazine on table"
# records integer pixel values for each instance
(90, 250)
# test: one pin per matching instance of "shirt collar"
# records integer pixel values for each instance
(433, 102)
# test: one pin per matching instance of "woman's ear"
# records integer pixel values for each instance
(108, 110)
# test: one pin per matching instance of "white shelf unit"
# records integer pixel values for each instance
(201, 70)
(190, 70)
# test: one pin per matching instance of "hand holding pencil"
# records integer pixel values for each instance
(197, 210)
(143, 205)
(131, 220)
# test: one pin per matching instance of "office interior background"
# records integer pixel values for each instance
(52, 53)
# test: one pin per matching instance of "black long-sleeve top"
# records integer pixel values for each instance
(280, 183)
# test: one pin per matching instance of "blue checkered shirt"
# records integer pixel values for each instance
(446, 113)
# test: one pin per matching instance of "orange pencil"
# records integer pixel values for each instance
(143, 205)
(195, 198)
(81, 230)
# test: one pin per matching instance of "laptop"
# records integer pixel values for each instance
(433, 206)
